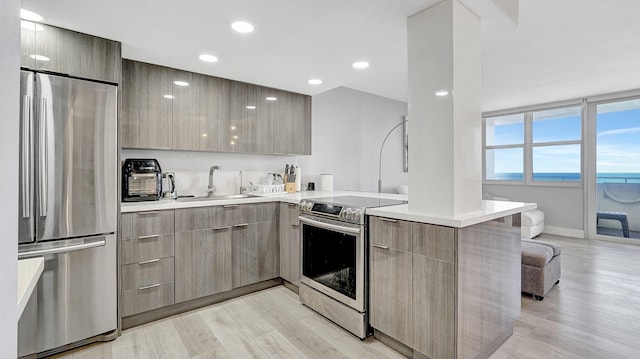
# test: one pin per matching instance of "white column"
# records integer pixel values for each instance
(445, 137)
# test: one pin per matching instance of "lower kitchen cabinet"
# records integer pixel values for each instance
(290, 267)
(412, 285)
(434, 307)
(390, 279)
(203, 263)
(255, 253)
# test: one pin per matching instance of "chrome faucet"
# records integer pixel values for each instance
(211, 188)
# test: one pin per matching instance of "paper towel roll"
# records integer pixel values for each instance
(298, 179)
(326, 182)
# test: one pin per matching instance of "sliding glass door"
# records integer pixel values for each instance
(614, 178)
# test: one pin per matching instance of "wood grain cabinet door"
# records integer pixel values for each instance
(203, 263)
(390, 281)
(147, 100)
(239, 131)
(49, 48)
(290, 268)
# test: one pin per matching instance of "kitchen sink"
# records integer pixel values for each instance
(213, 198)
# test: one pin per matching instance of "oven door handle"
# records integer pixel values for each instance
(329, 226)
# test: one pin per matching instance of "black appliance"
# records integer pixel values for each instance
(141, 180)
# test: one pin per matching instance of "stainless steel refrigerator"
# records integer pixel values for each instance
(68, 209)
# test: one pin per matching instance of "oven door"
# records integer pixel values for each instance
(333, 259)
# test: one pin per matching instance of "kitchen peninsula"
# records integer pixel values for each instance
(439, 287)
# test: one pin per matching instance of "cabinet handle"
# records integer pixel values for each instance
(230, 206)
(379, 246)
(241, 225)
(220, 228)
(291, 205)
(146, 213)
(295, 225)
(149, 286)
(149, 261)
(149, 237)
(389, 220)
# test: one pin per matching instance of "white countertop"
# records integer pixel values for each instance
(277, 197)
(490, 210)
(29, 271)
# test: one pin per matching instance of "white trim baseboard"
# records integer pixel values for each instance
(562, 231)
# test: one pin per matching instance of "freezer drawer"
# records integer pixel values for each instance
(77, 292)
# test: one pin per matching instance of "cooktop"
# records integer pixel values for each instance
(357, 201)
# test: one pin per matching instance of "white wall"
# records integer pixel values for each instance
(348, 127)
(563, 207)
(9, 100)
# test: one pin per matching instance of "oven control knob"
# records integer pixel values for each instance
(346, 214)
(356, 215)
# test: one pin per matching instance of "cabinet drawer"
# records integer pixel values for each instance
(189, 219)
(232, 214)
(146, 223)
(147, 272)
(434, 241)
(392, 233)
(142, 248)
(146, 298)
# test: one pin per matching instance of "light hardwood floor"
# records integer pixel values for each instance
(593, 313)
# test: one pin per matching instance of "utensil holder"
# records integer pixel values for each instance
(290, 187)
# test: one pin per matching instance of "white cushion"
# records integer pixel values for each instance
(532, 217)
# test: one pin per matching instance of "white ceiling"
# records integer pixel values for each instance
(560, 49)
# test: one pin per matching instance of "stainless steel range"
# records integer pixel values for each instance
(334, 240)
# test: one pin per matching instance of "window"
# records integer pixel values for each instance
(504, 148)
(534, 147)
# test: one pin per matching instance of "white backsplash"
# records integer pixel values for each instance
(192, 169)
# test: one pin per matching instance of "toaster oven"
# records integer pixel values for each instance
(141, 180)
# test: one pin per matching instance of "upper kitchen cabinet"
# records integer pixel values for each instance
(147, 100)
(240, 132)
(200, 112)
(48, 48)
(206, 113)
(293, 135)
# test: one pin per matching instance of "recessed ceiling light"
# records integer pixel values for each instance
(235, 137)
(170, 97)
(233, 127)
(181, 83)
(204, 135)
(30, 15)
(271, 98)
(314, 82)
(32, 26)
(208, 58)
(232, 143)
(442, 93)
(251, 107)
(39, 57)
(242, 26)
(360, 65)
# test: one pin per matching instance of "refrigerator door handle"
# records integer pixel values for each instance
(44, 159)
(26, 154)
(64, 249)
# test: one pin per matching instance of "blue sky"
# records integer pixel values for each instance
(618, 140)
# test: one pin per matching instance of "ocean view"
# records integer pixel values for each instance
(568, 176)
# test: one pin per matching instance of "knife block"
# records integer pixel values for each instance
(290, 187)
